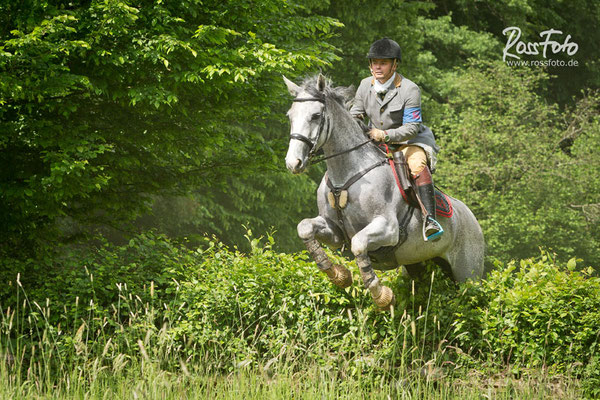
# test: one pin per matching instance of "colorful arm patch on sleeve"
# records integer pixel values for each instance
(412, 115)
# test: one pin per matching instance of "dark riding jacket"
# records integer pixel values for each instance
(398, 112)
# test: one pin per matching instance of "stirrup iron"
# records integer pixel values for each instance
(435, 235)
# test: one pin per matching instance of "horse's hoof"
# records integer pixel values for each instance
(386, 298)
(340, 276)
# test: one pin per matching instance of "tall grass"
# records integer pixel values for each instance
(131, 349)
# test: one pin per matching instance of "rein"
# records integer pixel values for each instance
(312, 145)
(337, 191)
(318, 160)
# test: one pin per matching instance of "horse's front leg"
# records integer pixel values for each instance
(318, 229)
(380, 232)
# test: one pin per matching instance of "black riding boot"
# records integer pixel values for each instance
(432, 230)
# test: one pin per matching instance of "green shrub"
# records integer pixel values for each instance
(93, 273)
(212, 303)
(267, 308)
(532, 313)
(87, 307)
(264, 306)
(219, 309)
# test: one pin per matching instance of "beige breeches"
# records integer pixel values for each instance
(415, 158)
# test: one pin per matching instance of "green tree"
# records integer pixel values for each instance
(108, 103)
(578, 18)
(522, 165)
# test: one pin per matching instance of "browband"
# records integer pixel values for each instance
(300, 99)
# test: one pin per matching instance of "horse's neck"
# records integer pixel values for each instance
(345, 135)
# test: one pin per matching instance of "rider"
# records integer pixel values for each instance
(393, 105)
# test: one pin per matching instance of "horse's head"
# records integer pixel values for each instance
(307, 122)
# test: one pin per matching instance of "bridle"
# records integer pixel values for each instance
(312, 146)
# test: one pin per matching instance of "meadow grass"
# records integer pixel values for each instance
(141, 381)
(91, 356)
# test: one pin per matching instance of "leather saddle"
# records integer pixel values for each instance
(384, 256)
(407, 186)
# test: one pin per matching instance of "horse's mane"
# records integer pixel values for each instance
(340, 94)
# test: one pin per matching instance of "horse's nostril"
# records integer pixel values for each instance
(294, 165)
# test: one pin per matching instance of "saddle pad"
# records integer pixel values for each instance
(443, 205)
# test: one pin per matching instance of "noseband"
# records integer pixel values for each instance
(312, 146)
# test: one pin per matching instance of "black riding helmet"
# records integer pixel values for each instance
(385, 48)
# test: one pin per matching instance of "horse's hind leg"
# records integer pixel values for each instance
(318, 229)
(467, 254)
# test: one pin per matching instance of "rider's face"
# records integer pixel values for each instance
(382, 68)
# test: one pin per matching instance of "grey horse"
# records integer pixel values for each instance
(359, 202)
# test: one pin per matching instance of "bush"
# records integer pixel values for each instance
(217, 306)
(532, 313)
(265, 307)
(221, 310)
(95, 272)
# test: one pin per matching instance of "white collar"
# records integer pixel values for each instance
(384, 87)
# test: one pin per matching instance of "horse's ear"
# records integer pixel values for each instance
(321, 82)
(292, 87)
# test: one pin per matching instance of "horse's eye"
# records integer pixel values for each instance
(315, 116)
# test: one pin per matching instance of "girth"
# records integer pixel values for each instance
(386, 255)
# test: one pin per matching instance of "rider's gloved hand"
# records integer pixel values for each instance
(378, 135)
